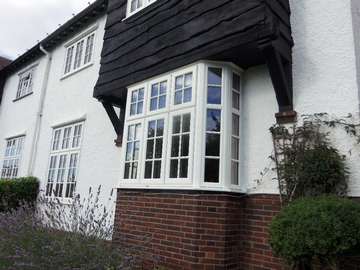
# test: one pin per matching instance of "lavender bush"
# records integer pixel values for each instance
(54, 236)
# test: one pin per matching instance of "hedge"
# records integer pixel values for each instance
(17, 191)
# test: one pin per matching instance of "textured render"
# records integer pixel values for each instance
(18, 118)
(356, 26)
(67, 99)
(325, 80)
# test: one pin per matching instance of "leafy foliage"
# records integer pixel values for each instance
(17, 191)
(321, 228)
(306, 163)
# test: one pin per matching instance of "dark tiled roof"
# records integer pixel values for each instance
(4, 62)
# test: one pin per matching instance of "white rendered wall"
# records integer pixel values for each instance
(69, 99)
(324, 72)
(19, 117)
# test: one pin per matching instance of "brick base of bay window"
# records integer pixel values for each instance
(198, 230)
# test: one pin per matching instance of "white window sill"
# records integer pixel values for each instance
(22, 97)
(182, 187)
(60, 201)
(67, 75)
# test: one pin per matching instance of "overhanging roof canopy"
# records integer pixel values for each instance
(172, 33)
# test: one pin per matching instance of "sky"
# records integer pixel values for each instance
(25, 22)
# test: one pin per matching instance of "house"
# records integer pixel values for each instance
(199, 83)
(188, 90)
(50, 126)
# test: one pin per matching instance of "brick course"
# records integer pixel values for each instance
(185, 230)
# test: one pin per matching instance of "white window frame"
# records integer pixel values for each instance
(129, 102)
(181, 181)
(68, 152)
(146, 3)
(161, 180)
(13, 153)
(22, 90)
(148, 95)
(197, 146)
(72, 67)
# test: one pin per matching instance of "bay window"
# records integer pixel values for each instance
(183, 130)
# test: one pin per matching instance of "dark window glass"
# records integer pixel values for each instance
(213, 145)
(157, 169)
(175, 146)
(148, 169)
(214, 95)
(173, 168)
(215, 76)
(213, 120)
(184, 168)
(212, 167)
(236, 82)
(185, 145)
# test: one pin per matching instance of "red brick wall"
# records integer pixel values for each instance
(199, 230)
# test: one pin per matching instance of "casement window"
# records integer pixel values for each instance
(64, 161)
(25, 86)
(79, 54)
(134, 6)
(11, 162)
(183, 129)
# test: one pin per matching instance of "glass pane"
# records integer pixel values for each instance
(134, 95)
(176, 124)
(185, 145)
(160, 128)
(129, 151)
(173, 168)
(157, 169)
(213, 120)
(162, 102)
(153, 104)
(214, 95)
(137, 132)
(235, 125)
(150, 149)
(133, 109)
(212, 167)
(234, 173)
(213, 145)
(236, 101)
(136, 150)
(179, 82)
(236, 82)
(151, 129)
(134, 170)
(215, 76)
(163, 86)
(178, 97)
(158, 148)
(175, 146)
(140, 107)
(184, 168)
(235, 148)
(148, 169)
(141, 94)
(186, 123)
(188, 80)
(187, 95)
(154, 90)
(131, 133)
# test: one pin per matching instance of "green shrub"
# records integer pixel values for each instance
(321, 171)
(321, 228)
(17, 191)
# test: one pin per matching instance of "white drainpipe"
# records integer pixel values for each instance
(34, 145)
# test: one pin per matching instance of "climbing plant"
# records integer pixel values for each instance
(306, 162)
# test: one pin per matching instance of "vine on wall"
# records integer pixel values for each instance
(305, 161)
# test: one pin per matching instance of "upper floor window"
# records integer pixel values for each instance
(79, 54)
(25, 86)
(11, 162)
(183, 129)
(137, 5)
(64, 161)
